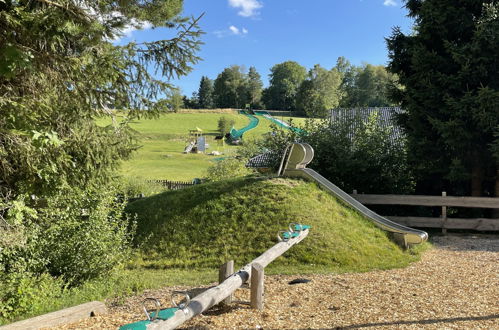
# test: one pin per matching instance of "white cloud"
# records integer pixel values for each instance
(247, 8)
(234, 30)
(127, 31)
(231, 31)
(390, 3)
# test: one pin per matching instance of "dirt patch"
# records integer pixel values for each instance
(454, 286)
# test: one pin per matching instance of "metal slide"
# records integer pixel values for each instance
(294, 163)
(189, 147)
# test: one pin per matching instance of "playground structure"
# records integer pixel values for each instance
(197, 142)
(294, 164)
(171, 318)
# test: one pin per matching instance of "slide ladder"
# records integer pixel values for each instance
(294, 164)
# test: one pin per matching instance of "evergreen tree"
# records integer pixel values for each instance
(254, 88)
(449, 70)
(59, 71)
(59, 74)
(190, 103)
(205, 93)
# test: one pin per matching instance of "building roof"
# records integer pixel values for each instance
(264, 160)
(385, 118)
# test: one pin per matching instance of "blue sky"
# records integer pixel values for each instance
(263, 33)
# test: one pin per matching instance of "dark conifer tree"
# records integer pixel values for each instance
(449, 68)
(205, 93)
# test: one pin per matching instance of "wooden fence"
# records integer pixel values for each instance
(173, 185)
(444, 201)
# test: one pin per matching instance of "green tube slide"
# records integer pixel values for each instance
(237, 134)
(278, 122)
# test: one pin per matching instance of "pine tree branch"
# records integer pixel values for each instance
(58, 5)
(179, 37)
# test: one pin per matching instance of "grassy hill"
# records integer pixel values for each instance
(163, 141)
(206, 225)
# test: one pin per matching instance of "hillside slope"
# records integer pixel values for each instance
(206, 225)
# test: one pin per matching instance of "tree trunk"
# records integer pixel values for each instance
(476, 180)
(495, 212)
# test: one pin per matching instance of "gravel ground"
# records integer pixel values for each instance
(454, 286)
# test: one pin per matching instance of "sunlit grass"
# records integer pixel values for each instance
(163, 141)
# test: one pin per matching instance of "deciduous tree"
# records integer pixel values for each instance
(285, 79)
(230, 88)
(320, 92)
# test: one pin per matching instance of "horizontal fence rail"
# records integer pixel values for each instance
(444, 222)
(479, 224)
(473, 202)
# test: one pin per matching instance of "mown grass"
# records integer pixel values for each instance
(163, 141)
(238, 219)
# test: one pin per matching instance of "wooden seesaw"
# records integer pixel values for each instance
(171, 318)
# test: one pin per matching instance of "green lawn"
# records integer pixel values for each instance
(163, 141)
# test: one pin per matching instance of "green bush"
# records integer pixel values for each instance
(23, 293)
(72, 237)
(227, 168)
(225, 125)
(86, 238)
(353, 154)
(362, 155)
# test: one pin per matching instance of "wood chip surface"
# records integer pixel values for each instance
(454, 286)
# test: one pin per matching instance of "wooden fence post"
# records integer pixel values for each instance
(225, 271)
(444, 215)
(257, 279)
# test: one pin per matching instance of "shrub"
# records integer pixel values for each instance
(353, 154)
(225, 125)
(227, 168)
(360, 155)
(23, 293)
(73, 237)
